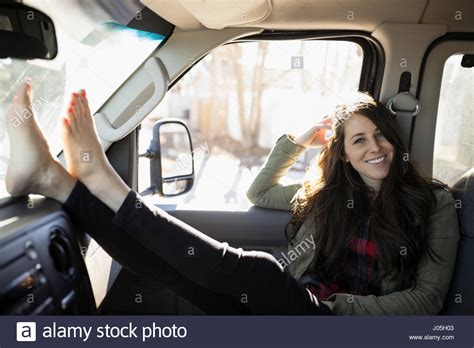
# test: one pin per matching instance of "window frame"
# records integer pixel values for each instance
(372, 65)
(428, 93)
(373, 61)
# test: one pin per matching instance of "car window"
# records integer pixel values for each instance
(89, 40)
(454, 141)
(240, 99)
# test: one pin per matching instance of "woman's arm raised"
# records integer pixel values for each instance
(265, 191)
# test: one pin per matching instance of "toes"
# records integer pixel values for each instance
(88, 110)
(70, 110)
(70, 113)
(80, 106)
(76, 106)
(78, 109)
(65, 122)
(24, 92)
(66, 126)
(24, 87)
(85, 107)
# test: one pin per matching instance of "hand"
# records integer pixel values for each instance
(317, 135)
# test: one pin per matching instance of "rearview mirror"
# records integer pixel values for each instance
(171, 159)
(26, 33)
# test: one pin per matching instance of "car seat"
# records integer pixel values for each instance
(460, 298)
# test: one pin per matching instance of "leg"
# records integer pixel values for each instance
(251, 276)
(80, 137)
(82, 205)
(32, 169)
(254, 277)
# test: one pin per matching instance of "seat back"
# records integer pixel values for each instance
(460, 298)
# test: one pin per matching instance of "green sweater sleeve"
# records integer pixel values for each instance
(433, 279)
(265, 191)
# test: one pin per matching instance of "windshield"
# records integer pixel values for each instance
(97, 52)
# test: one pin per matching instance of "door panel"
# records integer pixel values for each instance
(258, 227)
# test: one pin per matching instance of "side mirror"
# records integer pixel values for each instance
(171, 159)
(26, 33)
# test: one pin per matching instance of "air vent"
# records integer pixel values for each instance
(61, 252)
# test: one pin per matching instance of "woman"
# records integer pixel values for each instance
(385, 238)
(214, 276)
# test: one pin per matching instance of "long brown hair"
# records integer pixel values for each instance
(339, 201)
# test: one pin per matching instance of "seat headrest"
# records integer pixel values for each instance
(463, 190)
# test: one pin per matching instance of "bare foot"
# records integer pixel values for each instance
(85, 157)
(31, 168)
(82, 148)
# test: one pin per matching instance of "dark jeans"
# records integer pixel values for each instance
(214, 276)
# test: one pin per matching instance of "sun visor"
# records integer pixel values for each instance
(218, 14)
(212, 14)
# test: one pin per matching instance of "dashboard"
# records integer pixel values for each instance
(42, 269)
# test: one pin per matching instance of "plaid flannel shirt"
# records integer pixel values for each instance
(360, 276)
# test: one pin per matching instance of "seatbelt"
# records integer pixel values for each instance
(404, 106)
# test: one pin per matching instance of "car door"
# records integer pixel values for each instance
(238, 100)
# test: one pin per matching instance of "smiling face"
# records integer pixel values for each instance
(367, 150)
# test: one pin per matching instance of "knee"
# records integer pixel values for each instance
(266, 265)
